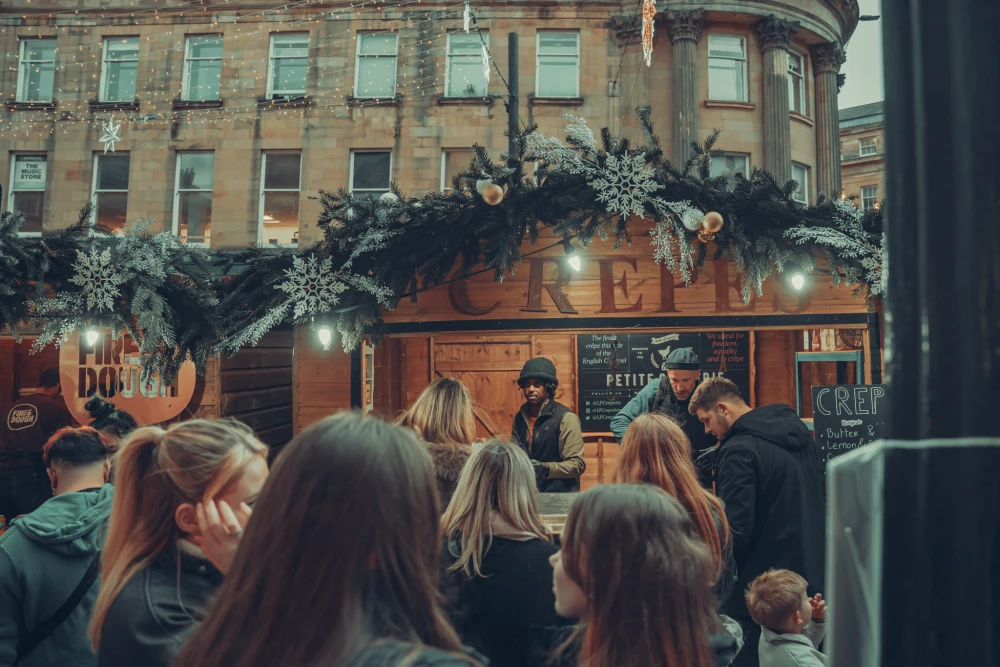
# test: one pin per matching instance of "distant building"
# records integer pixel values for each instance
(862, 153)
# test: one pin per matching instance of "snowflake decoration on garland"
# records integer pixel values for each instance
(99, 279)
(625, 183)
(312, 286)
(110, 137)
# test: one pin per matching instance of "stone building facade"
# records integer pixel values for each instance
(862, 153)
(232, 119)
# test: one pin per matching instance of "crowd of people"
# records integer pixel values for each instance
(371, 544)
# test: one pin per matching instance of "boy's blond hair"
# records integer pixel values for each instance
(774, 596)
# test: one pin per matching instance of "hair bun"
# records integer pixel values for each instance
(98, 407)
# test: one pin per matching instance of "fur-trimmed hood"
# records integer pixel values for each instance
(448, 463)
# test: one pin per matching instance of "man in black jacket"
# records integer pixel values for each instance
(548, 431)
(769, 475)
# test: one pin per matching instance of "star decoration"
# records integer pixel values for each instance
(110, 137)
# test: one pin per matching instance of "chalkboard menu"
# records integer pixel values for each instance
(612, 368)
(846, 417)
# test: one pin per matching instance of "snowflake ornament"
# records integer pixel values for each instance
(110, 137)
(99, 279)
(312, 286)
(625, 183)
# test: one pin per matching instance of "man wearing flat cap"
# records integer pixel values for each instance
(670, 394)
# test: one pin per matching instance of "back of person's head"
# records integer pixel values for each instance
(74, 447)
(442, 414)
(496, 491)
(342, 550)
(160, 474)
(656, 450)
(774, 596)
(49, 378)
(115, 424)
(633, 551)
(714, 391)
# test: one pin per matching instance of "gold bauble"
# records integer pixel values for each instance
(713, 222)
(706, 236)
(493, 194)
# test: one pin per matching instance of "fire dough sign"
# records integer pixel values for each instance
(110, 368)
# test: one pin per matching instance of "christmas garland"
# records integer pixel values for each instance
(181, 302)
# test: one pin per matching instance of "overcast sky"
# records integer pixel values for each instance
(864, 61)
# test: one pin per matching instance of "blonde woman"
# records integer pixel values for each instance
(498, 579)
(442, 416)
(182, 498)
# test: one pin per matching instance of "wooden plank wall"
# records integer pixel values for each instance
(322, 379)
(255, 387)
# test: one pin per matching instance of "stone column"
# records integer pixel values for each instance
(684, 29)
(774, 35)
(827, 59)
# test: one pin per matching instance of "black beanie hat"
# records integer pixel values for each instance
(539, 368)
(682, 359)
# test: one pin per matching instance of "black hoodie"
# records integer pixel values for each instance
(770, 477)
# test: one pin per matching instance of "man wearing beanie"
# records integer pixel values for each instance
(670, 394)
(548, 431)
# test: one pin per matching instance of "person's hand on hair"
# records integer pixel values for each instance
(541, 470)
(221, 530)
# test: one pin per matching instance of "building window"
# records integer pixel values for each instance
(27, 191)
(869, 197)
(727, 68)
(121, 65)
(557, 64)
(465, 77)
(288, 65)
(110, 197)
(796, 83)
(371, 172)
(868, 147)
(202, 67)
(800, 174)
(279, 198)
(375, 65)
(453, 162)
(193, 196)
(36, 70)
(729, 165)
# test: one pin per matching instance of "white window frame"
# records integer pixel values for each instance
(804, 182)
(357, 65)
(802, 82)
(11, 191)
(264, 191)
(861, 147)
(271, 92)
(24, 65)
(445, 182)
(448, 55)
(103, 96)
(177, 194)
(744, 60)
(873, 199)
(746, 161)
(539, 56)
(93, 184)
(355, 151)
(185, 92)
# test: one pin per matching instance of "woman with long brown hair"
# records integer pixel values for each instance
(442, 416)
(340, 563)
(655, 450)
(634, 571)
(497, 573)
(163, 560)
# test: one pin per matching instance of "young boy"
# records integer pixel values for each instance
(778, 603)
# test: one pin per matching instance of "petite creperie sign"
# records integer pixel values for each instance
(110, 368)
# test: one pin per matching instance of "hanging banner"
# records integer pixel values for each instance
(110, 368)
(29, 172)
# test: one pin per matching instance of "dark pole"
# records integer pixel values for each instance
(512, 101)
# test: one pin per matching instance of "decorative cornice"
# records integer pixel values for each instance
(775, 33)
(827, 57)
(684, 25)
(628, 28)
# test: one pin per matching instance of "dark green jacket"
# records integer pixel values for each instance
(43, 556)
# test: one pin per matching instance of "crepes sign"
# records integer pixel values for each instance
(110, 369)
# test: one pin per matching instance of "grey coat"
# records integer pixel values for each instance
(789, 650)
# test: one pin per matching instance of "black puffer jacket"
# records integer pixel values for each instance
(770, 477)
(157, 610)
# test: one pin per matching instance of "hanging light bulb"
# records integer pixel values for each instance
(92, 335)
(325, 335)
(798, 281)
(572, 256)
